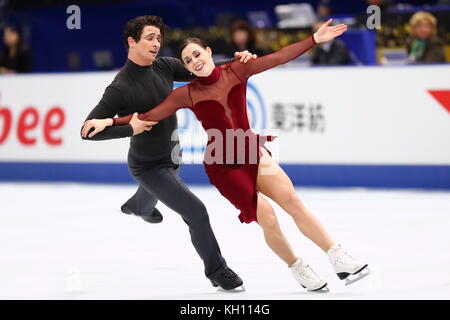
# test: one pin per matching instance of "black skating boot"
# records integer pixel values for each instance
(226, 278)
(154, 217)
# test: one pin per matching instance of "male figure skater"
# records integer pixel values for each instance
(144, 82)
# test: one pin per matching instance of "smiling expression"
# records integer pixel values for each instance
(198, 60)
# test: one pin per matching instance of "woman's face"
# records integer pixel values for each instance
(423, 30)
(198, 60)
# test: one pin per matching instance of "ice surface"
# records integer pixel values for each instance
(70, 241)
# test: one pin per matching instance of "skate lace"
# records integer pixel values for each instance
(229, 274)
(308, 273)
(344, 258)
(312, 274)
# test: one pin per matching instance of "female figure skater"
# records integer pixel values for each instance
(242, 173)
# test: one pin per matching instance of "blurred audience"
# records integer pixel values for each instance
(424, 46)
(242, 38)
(332, 52)
(323, 10)
(385, 5)
(16, 57)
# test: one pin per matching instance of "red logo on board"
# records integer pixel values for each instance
(442, 96)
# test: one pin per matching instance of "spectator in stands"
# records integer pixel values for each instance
(333, 52)
(16, 57)
(243, 38)
(424, 46)
(323, 10)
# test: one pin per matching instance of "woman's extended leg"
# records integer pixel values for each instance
(278, 243)
(273, 182)
(275, 239)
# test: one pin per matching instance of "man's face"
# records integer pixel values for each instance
(148, 46)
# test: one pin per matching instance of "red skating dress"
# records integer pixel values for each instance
(219, 103)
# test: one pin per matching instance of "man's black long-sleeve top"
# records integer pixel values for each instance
(139, 89)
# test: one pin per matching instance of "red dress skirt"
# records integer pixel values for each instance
(237, 183)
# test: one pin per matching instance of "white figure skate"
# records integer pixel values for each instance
(307, 278)
(346, 266)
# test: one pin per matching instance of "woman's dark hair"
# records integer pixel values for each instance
(134, 28)
(188, 41)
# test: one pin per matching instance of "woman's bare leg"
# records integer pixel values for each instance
(278, 243)
(272, 232)
(273, 182)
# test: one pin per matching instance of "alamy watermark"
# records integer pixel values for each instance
(74, 20)
(374, 20)
(232, 147)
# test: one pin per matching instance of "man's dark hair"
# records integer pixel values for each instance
(134, 28)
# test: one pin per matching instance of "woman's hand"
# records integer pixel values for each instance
(244, 56)
(97, 124)
(326, 33)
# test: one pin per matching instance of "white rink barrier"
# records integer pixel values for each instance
(341, 126)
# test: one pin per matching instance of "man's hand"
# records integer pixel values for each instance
(140, 126)
(97, 124)
(326, 33)
(244, 56)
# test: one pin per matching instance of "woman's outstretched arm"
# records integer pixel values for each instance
(178, 99)
(288, 53)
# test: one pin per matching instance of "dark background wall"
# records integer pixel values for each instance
(43, 24)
